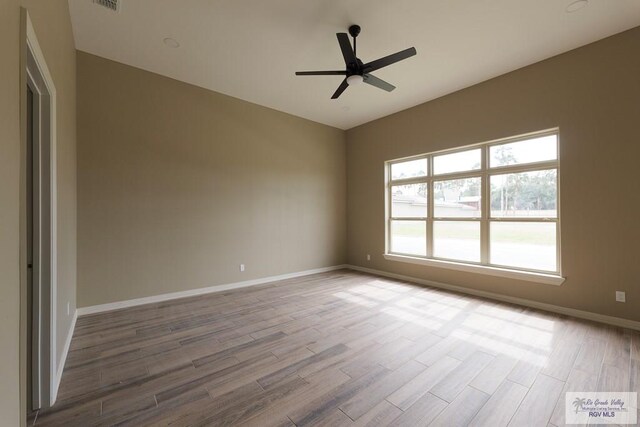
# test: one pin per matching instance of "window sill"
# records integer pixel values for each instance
(547, 279)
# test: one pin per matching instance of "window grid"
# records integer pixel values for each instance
(484, 173)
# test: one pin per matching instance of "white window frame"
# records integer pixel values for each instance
(485, 219)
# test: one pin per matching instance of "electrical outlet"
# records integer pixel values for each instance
(68, 308)
(621, 296)
(368, 257)
(241, 267)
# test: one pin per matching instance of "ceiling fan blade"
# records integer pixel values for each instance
(321, 73)
(340, 89)
(379, 83)
(388, 60)
(347, 50)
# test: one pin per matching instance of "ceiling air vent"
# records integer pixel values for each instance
(109, 4)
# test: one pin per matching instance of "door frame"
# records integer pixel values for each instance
(35, 74)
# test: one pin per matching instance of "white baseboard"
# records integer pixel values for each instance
(611, 320)
(83, 311)
(63, 359)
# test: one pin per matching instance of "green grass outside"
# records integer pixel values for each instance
(504, 232)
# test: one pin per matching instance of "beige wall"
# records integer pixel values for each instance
(178, 185)
(9, 212)
(53, 28)
(593, 95)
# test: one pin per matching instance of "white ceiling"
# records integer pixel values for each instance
(250, 49)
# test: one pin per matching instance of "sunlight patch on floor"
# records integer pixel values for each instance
(500, 347)
(417, 320)
(355, 299)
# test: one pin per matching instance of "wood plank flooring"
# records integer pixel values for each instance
(336, 349)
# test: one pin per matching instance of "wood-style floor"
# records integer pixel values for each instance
(336, 349)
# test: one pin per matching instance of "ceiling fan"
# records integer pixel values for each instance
(356, 72)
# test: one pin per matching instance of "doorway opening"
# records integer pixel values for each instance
(40, 232)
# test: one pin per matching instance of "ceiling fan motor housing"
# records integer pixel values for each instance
(355, 68)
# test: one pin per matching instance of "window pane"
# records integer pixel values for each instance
(528, 151)
(524, 244)
(410, 169)
(457, 198)
(409, 237)
(409, 201)
(457, 162)
(458, 240)
(527, 194)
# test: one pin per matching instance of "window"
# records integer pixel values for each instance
(493, 204)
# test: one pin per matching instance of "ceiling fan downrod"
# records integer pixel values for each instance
(354, 30)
